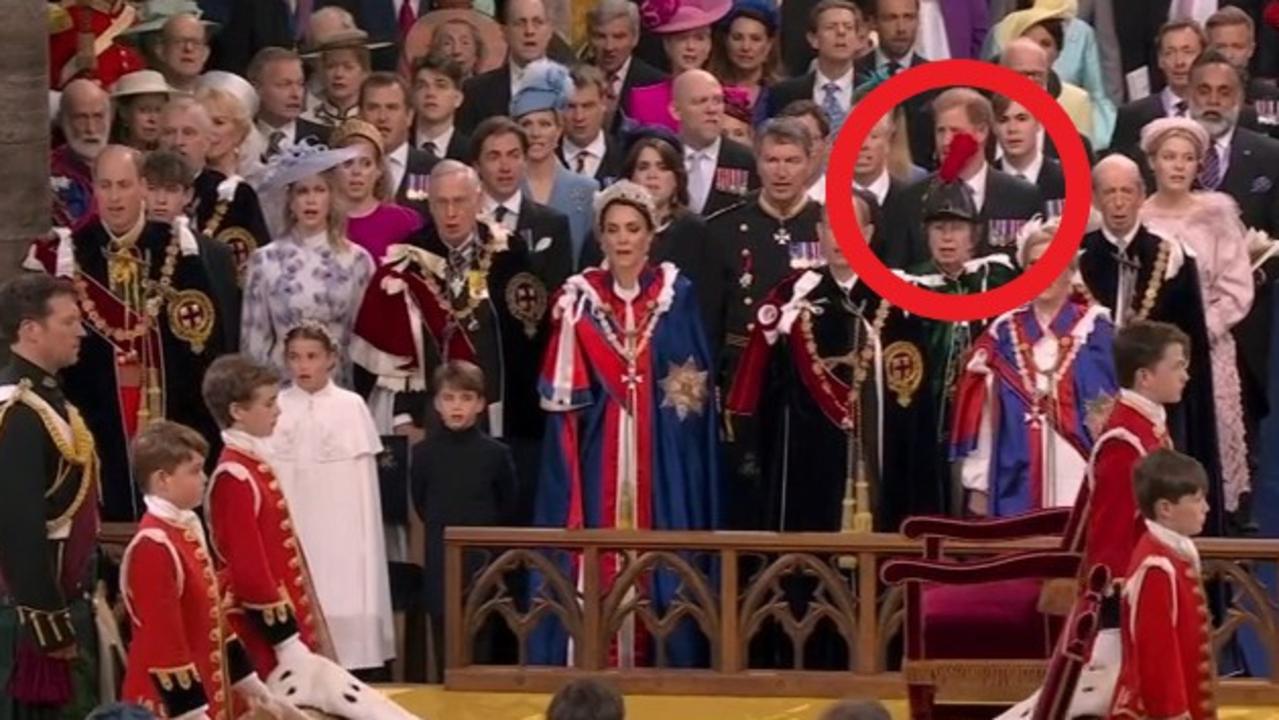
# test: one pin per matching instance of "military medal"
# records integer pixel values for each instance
(477, 284)
(782, 235)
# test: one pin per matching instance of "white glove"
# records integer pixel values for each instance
(260, 699)
(313, 681)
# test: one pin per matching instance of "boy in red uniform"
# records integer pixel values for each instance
(274, 611)
(1168, 668)
(183, 659)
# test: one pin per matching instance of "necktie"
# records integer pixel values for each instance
(430, 148)
(273, 143)
(407, 17)
(582, 157)
(1180, 108)
(830, 103)
(500, 213)
(894, 67)
(1210, 172)
(698, 183)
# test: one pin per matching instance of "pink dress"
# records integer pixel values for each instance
(651, 105)
(1213, 235)
(387, 225)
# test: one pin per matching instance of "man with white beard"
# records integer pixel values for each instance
(84, 115)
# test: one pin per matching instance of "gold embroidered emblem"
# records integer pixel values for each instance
(904, 368)
(191, 316)
(684, 388)
(242, 244)
(526, 300)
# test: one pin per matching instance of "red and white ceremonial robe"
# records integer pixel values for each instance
(255, 542)
(1168, 670)
(183, 658)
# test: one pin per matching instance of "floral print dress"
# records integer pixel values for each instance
(292, 280)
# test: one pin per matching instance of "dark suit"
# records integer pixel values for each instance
(544, 233)
(919, 115)
(378, 18)
(1007, 198)
(1135, 115)
(413, 186)
(610, 166)
(797, 54)
(224, 281)
(1051, 180)
(893, 255)
(315, 131)
(638, 74)
(732, 156)
(249, 26)
(486, 95)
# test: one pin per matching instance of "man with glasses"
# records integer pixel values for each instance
(182, 50)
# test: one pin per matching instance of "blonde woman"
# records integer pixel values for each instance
(312, 272)
(235, 146)
(373, 223)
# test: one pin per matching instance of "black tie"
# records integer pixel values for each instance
(430, 148)
(581, 162)
(894, 67)
(500, 213)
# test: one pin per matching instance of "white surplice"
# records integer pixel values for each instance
(324, 451)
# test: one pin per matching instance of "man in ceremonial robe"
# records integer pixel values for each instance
(153, 324)
(224, 208)
(466, 294)
(840, 372)
(84, 115)
(1142, 276)
(952, 226)
(48, 520)
(1022, 407)
(759, 242)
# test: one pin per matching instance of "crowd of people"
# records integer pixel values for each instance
(357, 261)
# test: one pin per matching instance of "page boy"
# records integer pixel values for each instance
(460, 477)
(1168, 666)
(275, 612)
(184, 659)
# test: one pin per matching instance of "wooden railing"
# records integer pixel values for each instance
(731, 585)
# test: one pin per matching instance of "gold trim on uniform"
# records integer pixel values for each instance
(904, 369)
(191, 317)
(526, 299)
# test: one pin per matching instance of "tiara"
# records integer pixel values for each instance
(312, 325)
(627, 192)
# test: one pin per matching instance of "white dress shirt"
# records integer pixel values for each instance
(594, 155)
(878, 187)
(1169, 100)
(700, 165)
(618, 79)
(289, 132)
(1223, 152)
(1030, 173)
(512, 205)
(397, 163)
(1126, 283)
(883, 61)
(932, 42)
(844, 94)
(441, 141)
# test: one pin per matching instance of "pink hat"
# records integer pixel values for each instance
(666, 17)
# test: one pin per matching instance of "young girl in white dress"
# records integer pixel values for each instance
(324, 451)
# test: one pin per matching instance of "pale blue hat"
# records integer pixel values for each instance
(545, 85)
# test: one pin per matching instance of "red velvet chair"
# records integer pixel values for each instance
(974, 629)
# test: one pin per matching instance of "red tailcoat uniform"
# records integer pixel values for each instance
(105, 20)
(183, 655)
(254, 538)
(1168, 669)
(1105, 524)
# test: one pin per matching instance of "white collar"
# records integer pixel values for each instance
(845, 285)
(1169, 100)
(1031, 171)
(325, 391)
(882, 60)
(1151, 410)
(441, 141)
(623, 71)
(512, 203)
(879, 186)
(845, 81)
(290, 129)
(1178, 543)
(978, 184)
(711, 151)
(1120, 242)
(169, 512)
(596, 147)
(400, 155)
(241, 440)
(626, 294)
(1223, 144)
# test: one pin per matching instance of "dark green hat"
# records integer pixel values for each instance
(949, 200)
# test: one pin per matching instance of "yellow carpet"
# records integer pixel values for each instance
(434, 703)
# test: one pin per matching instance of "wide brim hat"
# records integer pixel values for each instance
(233, 85)
(1015, 24)
(666, 17)
(343, 39)
(301, 161)
(545, 85)
(153, 14)
(142, 82)
(418, 41)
